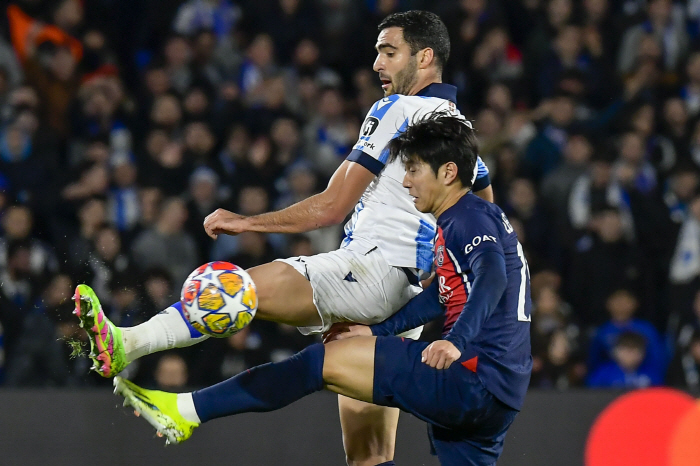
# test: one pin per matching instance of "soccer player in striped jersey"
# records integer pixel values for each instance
(386, 250)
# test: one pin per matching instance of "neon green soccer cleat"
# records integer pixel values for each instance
(158, 408)
(106, 344)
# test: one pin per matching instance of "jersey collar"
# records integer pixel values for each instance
(440, 90)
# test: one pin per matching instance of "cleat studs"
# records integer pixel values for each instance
(81, 325)
(90, 313)
(137, 414)
(126, 403)
(160, 434)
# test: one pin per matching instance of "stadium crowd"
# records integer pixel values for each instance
(123, 124)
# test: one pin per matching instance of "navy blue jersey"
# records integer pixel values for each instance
(499, 352)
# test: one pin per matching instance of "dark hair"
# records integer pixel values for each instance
(632, 340)
(421, 29)
(436, 139)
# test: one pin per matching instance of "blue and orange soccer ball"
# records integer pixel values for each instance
(219, 299)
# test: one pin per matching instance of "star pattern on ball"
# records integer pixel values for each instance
(209, 276)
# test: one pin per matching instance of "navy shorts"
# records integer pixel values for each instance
(467, 424)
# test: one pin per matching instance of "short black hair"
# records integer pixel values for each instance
(436, 139)
(632, 340)
(421, 29)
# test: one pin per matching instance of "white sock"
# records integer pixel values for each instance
(185, 404)
(163, 331)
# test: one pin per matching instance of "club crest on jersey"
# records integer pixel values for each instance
(370, 126)
(440, 255)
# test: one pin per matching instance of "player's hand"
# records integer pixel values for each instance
(440, 354)
(343, 330)
(222, 221)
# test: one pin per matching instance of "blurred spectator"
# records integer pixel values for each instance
(602, 263)
(199, 143)
(222, 358)
(626, 369)
(123, 198)
(622, 306)
(171, 372)
(158, 290)
(40, 359)
(92, 215)
(559, 367)
(557, 186)
(203, 200)
(106, 262)
(666, 24)
(93, 180)
(258, 65)
(684, 371)
(17, 224)
(167, 244)
(126, 307)
(543, 153)
(289, 22)
(328, 136)
(677, 125)
(51, 70)
(690, 92)
(220, 16)
(569, 55)
(253, 249)
(522, 203)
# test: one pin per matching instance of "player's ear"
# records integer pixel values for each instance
(450, 172)
(425, 58)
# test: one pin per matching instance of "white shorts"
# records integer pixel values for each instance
(353, 287)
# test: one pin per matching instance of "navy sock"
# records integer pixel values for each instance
(264, 388)
(388, 463)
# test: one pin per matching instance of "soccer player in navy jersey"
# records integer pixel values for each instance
(469, 385)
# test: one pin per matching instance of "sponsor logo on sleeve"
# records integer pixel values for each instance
(369, 126)
(477, 240)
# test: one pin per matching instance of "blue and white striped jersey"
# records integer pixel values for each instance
(385, 217)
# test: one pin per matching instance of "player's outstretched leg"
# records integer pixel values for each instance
(112, 348)
(284, 295)
(106, 345)
(345, 366)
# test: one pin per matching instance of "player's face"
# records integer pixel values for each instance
(423, 185)
(396, 66)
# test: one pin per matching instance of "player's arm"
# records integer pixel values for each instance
(420, 310)
(489, 284)
(486, 193)
(327, 208)
(482, 183)
(490, 281)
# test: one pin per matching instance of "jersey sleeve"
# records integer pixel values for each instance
(384, 122)
(482, 179)
(482, 233)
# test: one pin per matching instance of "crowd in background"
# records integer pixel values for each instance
(124, 123)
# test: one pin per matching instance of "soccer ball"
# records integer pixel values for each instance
(219, 299)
